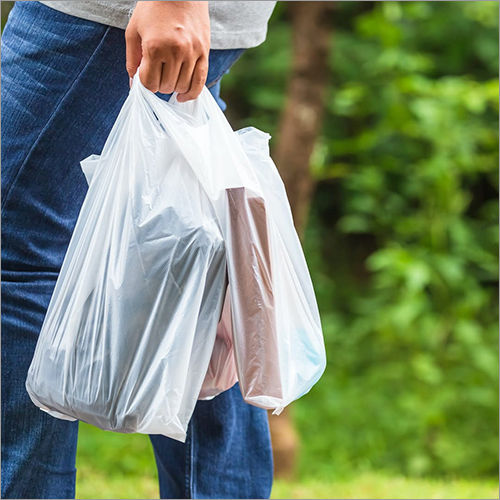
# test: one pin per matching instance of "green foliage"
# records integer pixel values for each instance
(5, 8)
(403, 238)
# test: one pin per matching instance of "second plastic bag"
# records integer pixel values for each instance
(130, 328)
(270, 332)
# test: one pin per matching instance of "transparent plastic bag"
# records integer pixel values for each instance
(178, 207)
(275, 334)
(130, 328)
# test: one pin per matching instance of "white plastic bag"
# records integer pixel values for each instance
(177, 201)
(130, 328)
(275, 333)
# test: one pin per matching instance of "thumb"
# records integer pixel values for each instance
(133, 51)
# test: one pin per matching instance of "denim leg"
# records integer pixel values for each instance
(50, 121)
(38, 451)
(63, 84)
(227, 453)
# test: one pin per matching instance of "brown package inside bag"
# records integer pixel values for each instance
(254, 325)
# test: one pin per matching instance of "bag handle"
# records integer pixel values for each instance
(195, 113)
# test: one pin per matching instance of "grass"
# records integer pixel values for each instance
(114, 465)
(374, 485)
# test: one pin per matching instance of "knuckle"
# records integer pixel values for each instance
(199, 81)
(166, 89)
(177, 48)
(193, 93)
(198, 46)
(203, 69)
(153, 47)
(150, 85)
(180, 45)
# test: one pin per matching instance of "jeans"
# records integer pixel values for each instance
(63, 84)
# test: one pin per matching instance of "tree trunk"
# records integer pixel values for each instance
(299, 128)
(302, 117)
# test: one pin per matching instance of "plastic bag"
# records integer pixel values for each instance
(277, 339)
(178, 206)
(130, 328)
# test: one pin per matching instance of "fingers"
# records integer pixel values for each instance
(169, 75)
(185, 76)
(198, 80)
(151, 65)
(133, 51)
(166, 67)
(171, 42)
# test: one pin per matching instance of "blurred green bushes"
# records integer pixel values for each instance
(402, 239)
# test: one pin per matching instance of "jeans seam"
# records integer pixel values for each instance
(51, 117)
(213, 82)
(189, 463)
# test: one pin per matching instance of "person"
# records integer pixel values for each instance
(63, 84)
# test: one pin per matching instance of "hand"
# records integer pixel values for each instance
(171, 41)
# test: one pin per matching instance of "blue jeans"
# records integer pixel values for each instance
(63, 84)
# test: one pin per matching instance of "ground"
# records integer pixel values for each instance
(114, 465)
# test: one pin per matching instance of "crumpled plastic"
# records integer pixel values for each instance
(184, 274)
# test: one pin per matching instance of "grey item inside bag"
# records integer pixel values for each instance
(252, 298)
(94, 391)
